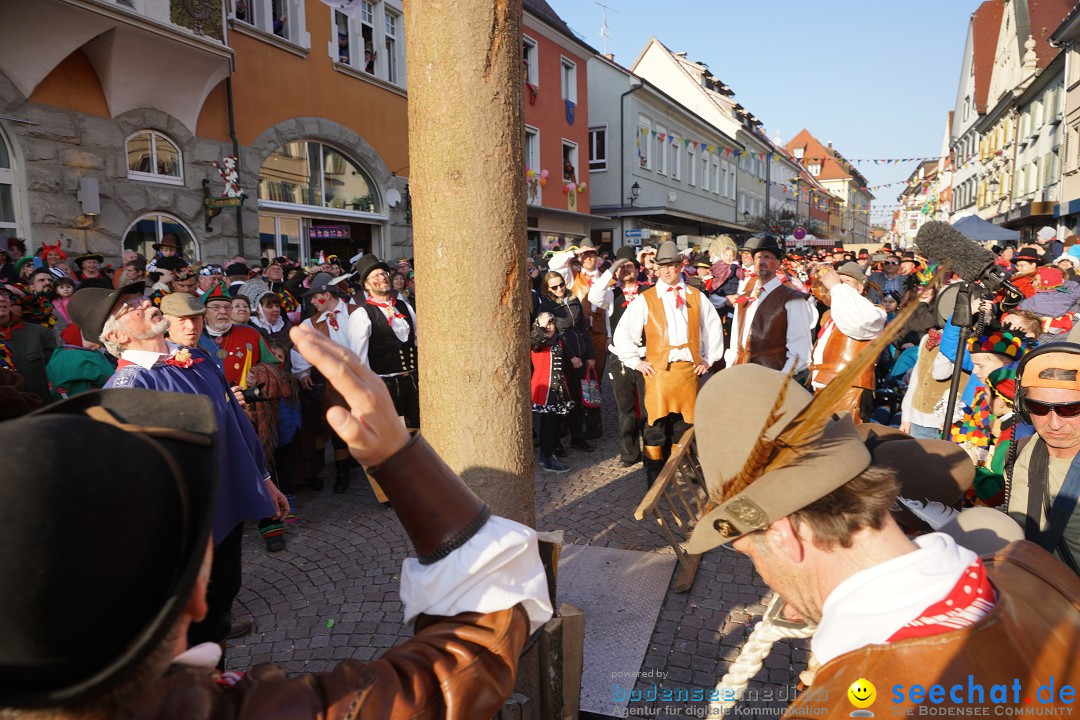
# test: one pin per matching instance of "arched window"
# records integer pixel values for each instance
(311, 173)
(9, 221)
(149, 229)
(154, 157)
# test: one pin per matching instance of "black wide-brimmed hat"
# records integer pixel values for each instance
(764, 241)
(101, 549)
(366, 265)
(88, 256)
(626, 252)
(89, 308)
(1030, 254)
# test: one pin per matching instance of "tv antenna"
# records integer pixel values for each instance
(604, 34)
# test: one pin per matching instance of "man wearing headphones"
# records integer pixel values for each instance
(1045, 478)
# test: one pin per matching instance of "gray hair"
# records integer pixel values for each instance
(112, 324)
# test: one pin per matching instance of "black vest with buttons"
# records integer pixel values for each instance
(386, 354)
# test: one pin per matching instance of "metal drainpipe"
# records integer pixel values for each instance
(622, 154)
(236, 152)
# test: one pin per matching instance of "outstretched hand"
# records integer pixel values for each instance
(370, 426)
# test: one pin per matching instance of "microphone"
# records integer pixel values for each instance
(942, 242)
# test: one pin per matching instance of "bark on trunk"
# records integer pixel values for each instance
(467, 182)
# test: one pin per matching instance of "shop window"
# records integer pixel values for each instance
(598, 148)
(311, 173)
(153, 156)
(9, 221)
(149, 229)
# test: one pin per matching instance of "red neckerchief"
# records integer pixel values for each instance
(629, 295)
(7, 330)
(679, 301)
(970, 600)
(182, 359)
(333, 318)
(392, 306)
(933, 338)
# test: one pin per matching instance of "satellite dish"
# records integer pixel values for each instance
(393, 197)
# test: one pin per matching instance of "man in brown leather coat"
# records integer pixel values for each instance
(926, 621)
(112, 569)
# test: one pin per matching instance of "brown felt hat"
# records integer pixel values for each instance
(726, 439)
(181, 304)
(928, 470)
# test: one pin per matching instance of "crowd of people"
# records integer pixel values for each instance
(817, 383)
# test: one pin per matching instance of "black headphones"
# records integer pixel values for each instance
(1068, 348)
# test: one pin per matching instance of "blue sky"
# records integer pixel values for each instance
(874, 76)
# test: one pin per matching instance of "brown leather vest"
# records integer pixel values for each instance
(927, 391)
(1028, 638)
(838, 352)
(766, 343)
(657, 342)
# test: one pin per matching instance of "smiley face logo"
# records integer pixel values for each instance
(862, 693)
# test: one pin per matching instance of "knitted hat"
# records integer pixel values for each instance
(1046, 232)
(183, 273)
(1003, 382)
(218, 292)
(211, 270)
(999, 342)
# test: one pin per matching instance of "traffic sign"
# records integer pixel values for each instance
(799, 233)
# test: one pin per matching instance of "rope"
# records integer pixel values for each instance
(753, 654)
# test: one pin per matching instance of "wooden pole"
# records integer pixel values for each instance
(466, 157)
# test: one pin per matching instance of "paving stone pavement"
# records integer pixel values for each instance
(333, 592)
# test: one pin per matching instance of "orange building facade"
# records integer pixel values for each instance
(119, 131)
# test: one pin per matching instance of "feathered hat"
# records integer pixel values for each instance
(772, 459)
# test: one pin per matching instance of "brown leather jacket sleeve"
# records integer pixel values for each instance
(460, 668)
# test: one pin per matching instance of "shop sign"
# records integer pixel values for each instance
(330, 232)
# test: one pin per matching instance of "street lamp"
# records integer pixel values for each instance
(635, 192)
(994, 185)
(746, 216)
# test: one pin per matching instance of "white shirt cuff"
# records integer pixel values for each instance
(496, 569)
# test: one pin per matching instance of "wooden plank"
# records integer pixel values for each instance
(551, 670)
(573, 632)
(688, 565)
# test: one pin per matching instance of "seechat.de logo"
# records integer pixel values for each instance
(862, 694)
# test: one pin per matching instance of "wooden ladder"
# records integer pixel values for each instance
(676, 501)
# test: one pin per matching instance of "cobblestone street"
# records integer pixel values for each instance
(332, 594)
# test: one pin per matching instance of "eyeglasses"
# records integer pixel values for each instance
(890, 262)
(132, 303)
(1063, 410)
(557, 287)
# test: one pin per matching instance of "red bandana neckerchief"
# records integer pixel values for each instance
(7, 330)
(629, 295)
(970, 599)
(391, 306)
(333, 319)
(679, 301)
(933, 338)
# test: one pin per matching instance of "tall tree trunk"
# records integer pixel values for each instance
(467, 182)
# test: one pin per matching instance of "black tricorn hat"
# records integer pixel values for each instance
(368, 264)
(764, 241)
(89, 308)
(101, 549)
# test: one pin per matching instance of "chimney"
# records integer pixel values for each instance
(830, 144)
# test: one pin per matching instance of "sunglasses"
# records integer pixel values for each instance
(1063, 410)
(891, 263)
(556, 287)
